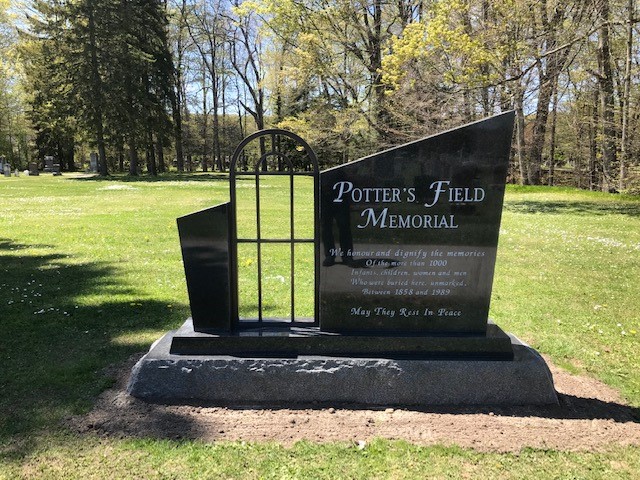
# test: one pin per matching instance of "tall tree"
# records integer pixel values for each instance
(626, 96)
(606, 84)
(180, 46)
(209, 34)
(549, 64)
(13, 126)
(246, 55)
(49, 97)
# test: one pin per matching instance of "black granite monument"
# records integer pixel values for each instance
(404, 249)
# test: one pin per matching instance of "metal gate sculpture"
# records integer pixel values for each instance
(279, 153)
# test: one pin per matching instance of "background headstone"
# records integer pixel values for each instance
(48, 163)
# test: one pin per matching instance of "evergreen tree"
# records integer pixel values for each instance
(106, 64)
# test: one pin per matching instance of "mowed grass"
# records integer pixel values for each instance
(275, 223)
(568, 280)
(153, 459)
(91, 272)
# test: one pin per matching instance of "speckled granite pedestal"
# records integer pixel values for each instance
(229, 380)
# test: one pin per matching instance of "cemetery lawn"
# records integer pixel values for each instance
(91, 273)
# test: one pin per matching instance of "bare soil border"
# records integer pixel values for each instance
(591, 417)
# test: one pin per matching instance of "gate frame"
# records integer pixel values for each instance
(273, 134)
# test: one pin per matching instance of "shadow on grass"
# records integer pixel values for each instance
(577, 208)
(56, 352)
(55, 349)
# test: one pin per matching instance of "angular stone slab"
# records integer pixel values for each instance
(204, 241)
(410, 234)
(227, 380)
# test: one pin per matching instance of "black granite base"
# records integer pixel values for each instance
(292, 341)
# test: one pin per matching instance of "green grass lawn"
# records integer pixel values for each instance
(568, 280)
(90, 273)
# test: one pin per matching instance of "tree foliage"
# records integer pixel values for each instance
(13, 125)
(102, 70)
(138, 77)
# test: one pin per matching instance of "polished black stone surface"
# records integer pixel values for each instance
(205, 243)
(410, 234)
(282, 340)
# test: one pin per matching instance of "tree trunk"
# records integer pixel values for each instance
(241, 112)
(97, 101)
(59, 155)
(151, 160)
(374, 47)
(188, 154)
(224, 125)
(215, 90)
(484, 68)
(552, 149)
(607, 105)
(520, 139)
(545, 92)
(549, 69)
(133, 157)
(626, 99)
(593, 146)
(160, 153)
(175, 93)
(579, 139)
(120, 159)
(205, 122)
(259, 119)
(69, 154)
(176, 107)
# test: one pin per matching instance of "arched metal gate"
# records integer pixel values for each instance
(269, 153)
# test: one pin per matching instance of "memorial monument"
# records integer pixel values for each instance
(404, 246)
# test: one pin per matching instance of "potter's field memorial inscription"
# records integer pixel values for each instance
(421, 226)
